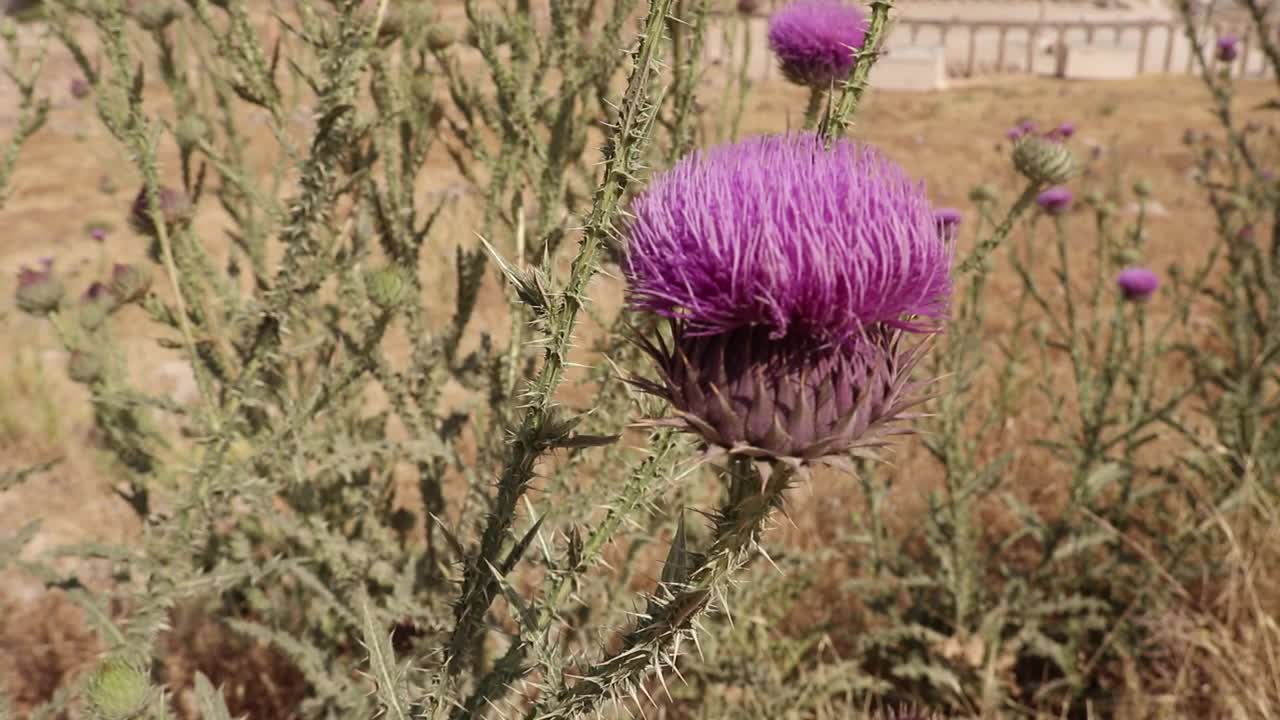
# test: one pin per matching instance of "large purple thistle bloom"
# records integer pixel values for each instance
(789, 274)
(815, 40)
(778, 232)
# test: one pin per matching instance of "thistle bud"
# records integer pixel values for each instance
(129, 283)
(982, 194)
(175, 211)
(1042, 161)
(391, 27)
(84, 367)
(156, 16)
(440, 37)
(119, 690)
(39, 291)
(95, 305)
(8, 29)
(191, 130)
(1142, 189)
(387, 286)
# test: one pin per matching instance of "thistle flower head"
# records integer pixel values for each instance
(96, 304)
(815, 40)
(789, 273)
(779, 232)
(1137, 283)
(1042, 160)
(80, 88)
(175, 209)
(1055, 200)
(98, 234)
(39, 289)
(1227, 48)
(129, 283)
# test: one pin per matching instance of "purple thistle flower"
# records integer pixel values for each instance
(96, 291)
(79, 88)
(1228, 47)
(815, 40)
(175, 209)
(1062, 132)
(1056, 200)
(1015, 133)
(98, 234)
(789, 273)
(1137, 283)
(777, 231)
(1028, 127)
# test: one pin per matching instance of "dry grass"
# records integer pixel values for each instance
(1223, 647)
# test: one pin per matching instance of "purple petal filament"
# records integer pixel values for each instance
(815, 40)
(775, 231)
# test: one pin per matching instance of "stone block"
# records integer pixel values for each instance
(913, 67)
(1098, 62)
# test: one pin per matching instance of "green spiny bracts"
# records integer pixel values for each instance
(1043, 160)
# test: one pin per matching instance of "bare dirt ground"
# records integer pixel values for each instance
(951, 140)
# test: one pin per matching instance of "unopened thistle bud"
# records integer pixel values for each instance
(387, 287)
(84, 367)
(119, 690)
(95, 305)
(1142, 189)
(834, 257)
(39, 291)
(1042, 161)
(982, 194)
(815, 41)
(175, 211)
(191, 131)
(129, 283)
(392, 26)
(440, 37)
(156, 15)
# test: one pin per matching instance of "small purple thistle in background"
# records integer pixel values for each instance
(1137, 283)
(1014, 133)
(39, 290)
(789, 274)
(1063, 132)
(99, 234)
(815, 40)
(80, 88)
(1227, 48)
(1055, 200)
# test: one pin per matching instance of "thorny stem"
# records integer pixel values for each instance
(654, 641)
(840, 113)
(993, 241)
(498, 681)
(622, 155)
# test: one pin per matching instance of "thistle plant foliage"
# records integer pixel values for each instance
(507, 360)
